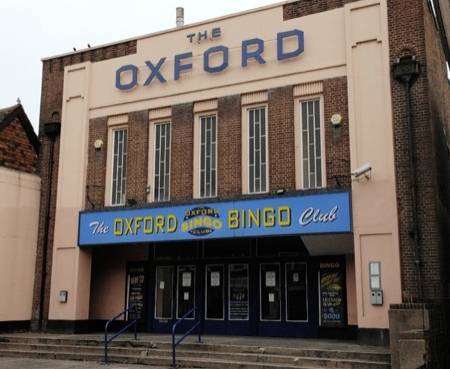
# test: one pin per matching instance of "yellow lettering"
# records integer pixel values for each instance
(197, 222)
(253, 218)
(118, 227)
(233, 219)
(148, 224)
(217, 224)
(242, 219)
(128, 224)
(284, 216)
(269, 218)
(171, 223)
(159, 224)
(207, 222)
(137, 224)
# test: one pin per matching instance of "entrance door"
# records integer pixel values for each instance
(269, 314)
(175, 295)
(283, 300)
(186, 291)
(214, 309)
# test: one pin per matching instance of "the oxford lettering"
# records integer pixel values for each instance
(215, 33)
(215, 60)
(98, 227)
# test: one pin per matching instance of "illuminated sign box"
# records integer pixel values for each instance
(301, 214)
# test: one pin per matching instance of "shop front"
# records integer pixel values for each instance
(247, 267)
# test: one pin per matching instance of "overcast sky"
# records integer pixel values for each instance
(33, 29)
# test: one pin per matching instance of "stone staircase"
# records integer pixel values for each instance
(212, 354)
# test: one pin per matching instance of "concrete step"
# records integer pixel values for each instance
(152, 362)
(362, 353)
(192, 356)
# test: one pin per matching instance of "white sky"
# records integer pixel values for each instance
(33, 29)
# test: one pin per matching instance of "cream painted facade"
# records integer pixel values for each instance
(19, 214)
(351, 41)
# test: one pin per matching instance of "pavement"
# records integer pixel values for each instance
(19, 363)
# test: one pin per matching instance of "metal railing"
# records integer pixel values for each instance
(175, 342)
(124, 329)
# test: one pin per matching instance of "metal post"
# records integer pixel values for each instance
(199, 327)
(105, 359)
(174, 364)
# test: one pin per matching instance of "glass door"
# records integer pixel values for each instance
(270, 306)
(214, 293)
(185, 290)
(164, 293)
(296, 292)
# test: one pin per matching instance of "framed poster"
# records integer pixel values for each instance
(332, 294)
(238, 308)
(136, 291)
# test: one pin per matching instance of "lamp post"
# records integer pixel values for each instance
(51, 130)
(406, 70)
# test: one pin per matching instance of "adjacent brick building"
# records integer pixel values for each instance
(250, 116)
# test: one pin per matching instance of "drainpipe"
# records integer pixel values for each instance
(51, 130)
(406, 70)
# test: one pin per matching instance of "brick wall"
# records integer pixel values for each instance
(302, 8)
(439, 107)
(229, 150)
(401, 21)
(281, 146)
(96, 170)
(137, 167)
(439, 99)
(51, 102)
(181, 161)
(337, 140)
(16, 150)
(412, 31)
(281, 139)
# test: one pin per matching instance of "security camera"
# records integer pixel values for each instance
(363, 170)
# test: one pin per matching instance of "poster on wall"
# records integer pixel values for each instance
(238, 292)
(136, 291)
(332, 299)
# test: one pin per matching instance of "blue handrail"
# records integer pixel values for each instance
(108, 340)
(175, 343)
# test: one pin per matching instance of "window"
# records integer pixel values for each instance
(311, 144)
(163, 292)
(162, 161)
(119, 167)
(208, 157)
(257, 145)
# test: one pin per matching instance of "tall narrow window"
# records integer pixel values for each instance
(162, 161)
(119, 167)
(311, 152)
(257, 150)
(208, 156)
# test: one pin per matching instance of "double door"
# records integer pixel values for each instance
(266, 298)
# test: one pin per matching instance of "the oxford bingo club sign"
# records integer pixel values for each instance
(215, 59)
(320, 213)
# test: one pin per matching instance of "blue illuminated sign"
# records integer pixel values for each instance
(251, 50)
(320, 213)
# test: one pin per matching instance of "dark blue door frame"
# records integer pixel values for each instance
(254, 326)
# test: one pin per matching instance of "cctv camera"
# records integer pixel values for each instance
(362, 170)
